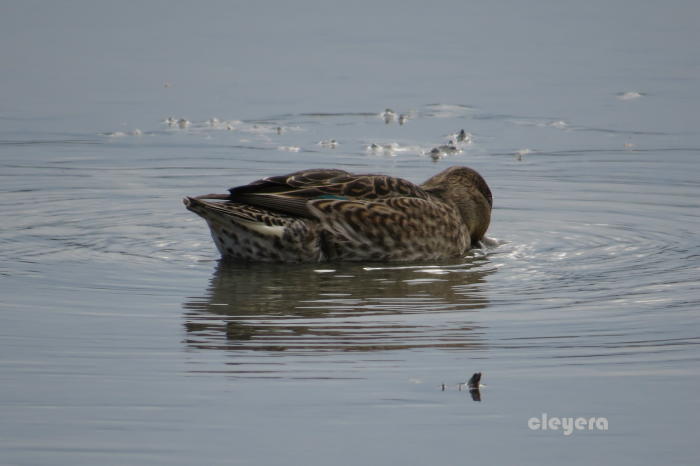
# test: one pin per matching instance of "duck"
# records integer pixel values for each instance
(324, 215)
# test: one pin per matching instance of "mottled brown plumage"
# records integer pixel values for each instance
(325, 215)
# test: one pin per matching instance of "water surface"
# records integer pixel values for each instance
(123, 338)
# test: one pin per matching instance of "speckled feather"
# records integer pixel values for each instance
(320, 215)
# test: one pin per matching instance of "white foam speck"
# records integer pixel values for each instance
(463, 137)
(630, 95)
(447, 110)
(388, 115)
(491, 242)
(329, 143)
(561, 124)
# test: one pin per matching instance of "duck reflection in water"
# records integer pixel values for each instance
(274, 307)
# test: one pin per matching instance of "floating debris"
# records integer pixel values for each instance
(121, 134)
(631, 95)
(289, 148)
(464, 137)
(389, 115)
(385, 149)
(473, 385)
(445, 149)
(560, 124)
(329, 143)
(473, 382)
(115, 134)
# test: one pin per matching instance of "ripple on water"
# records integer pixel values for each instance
(599, 247)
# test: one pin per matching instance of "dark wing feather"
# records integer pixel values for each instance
(243, 212)
(281, 183)
(283, 204)
(290, 193)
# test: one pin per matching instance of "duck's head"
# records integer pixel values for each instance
(465, 189)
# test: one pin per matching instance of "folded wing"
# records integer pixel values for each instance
(290, 194)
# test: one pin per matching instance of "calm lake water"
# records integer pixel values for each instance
(124, 340)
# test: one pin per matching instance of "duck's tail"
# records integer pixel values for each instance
(249, 233)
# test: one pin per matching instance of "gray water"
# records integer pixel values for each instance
(124, 340)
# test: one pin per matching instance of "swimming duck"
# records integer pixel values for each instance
(331, 215)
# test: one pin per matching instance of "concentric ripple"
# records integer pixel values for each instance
(594, 247)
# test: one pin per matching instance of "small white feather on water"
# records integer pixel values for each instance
(630, 95)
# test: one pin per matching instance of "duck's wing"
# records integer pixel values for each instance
(291, 181)
(291, 193)
(240, 212)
